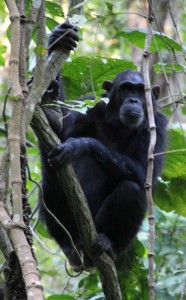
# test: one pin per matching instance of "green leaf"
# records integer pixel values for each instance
(183, 110)
(174, 176)
(110, 7)
(2, 51)
(42, 230)
(54, 9)
(41, 51)
(173, 197)
(159, 215)
(175, 162)
(51, 23)
(85, 75)
(168, 68)
(61, 297)
(3, 11)
(8, 32)
(159, 42)
(90, 286)
(132, 275)
(33, 151)
(139, 248)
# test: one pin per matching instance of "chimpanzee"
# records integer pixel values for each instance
(108, 149)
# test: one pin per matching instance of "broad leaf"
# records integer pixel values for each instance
(169, 68)
(160, 41)
(85, 75)
(171, 192)
(54, 9)
(51, 23)
(175, 162)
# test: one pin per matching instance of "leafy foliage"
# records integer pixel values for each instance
(170, 254)
(133, 275)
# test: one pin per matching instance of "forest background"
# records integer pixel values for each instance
(112, 39)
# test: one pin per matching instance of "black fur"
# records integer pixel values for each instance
(108, 149)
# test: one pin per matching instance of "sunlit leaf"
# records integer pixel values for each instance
(2, 51)
(169, 68)
(160, 41)
(33, 151)
(54, 9)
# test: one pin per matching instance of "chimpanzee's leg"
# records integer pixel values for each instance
(120, 217)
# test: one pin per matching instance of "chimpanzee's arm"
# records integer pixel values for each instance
(63, 37)
(121, 165)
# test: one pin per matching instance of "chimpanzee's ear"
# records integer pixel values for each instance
(156, 91)
(107, 85)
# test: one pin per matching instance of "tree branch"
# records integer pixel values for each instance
(14, 131)
(31, 22)
(152, 130)
(79, 207)
(15, 227)
(39, 74)
(75, 7)
(16, 234)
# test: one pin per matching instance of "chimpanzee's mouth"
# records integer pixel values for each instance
(131, 115)
(132, 119)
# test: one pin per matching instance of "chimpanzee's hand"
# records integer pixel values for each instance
(63, 36)
(68, 151)
(102, 244)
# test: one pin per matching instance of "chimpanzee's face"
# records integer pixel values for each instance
(132, 99)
